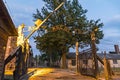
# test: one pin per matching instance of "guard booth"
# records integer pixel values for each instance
(7, 29)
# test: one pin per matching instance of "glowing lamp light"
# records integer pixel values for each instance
(38, 22)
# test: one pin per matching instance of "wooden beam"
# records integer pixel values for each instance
(12, 55)
(100, 59)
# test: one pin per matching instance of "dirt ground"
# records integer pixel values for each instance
(62, 74)
(57, 74)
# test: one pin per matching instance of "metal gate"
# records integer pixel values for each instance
(86, 63)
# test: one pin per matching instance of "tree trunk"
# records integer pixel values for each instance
(77, 57)
(63, 64)
(51, 63)
(94, 54)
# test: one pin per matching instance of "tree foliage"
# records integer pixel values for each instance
(72, 16)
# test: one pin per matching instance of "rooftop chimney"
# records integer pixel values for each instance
(117, 49)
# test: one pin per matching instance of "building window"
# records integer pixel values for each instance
(115, 61)
(73, 62)
(85, 61)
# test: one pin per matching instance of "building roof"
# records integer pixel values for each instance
(8, 27)
(72, 55)
(109, 56)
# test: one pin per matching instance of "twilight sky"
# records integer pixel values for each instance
(21, 11)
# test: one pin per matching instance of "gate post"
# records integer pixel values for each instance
(107, 68)
(25, 57)
(77, 57)
(94, 54)
(18, 65)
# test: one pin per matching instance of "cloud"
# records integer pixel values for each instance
(111, 28)
(25, 18)
(23, 8)
(117, 17)
(113, 20)
(22, 11)
(111, 33)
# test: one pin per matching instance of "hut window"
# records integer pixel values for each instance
(115, 61)
(73, 62)
(85, 61)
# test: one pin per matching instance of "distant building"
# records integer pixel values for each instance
(114, 59)
(71, 60)
(87, 59)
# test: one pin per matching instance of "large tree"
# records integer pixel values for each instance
(54, 41)
(72, 16)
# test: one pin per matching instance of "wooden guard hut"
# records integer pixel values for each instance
(7, 29)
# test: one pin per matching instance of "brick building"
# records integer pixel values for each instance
(11, 45)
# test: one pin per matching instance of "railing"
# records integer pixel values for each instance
(12, 55)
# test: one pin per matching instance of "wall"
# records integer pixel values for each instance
(11, 45)
(70, 66)
(115, 65)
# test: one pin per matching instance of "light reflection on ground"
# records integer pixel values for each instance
(54, 74)
(8, 72)
(41, 72)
